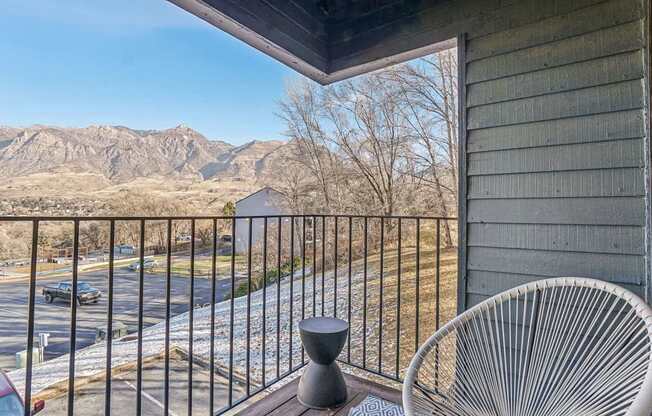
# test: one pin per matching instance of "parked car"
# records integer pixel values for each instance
(11, 404)
(63, 290)
(147, 264)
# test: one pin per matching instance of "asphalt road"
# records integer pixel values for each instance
(90, 399)
(55, 318)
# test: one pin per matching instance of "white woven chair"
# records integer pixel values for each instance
(556, 347)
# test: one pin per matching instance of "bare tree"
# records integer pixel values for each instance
(204, 232)
(296, 182)
(94, 235)
(381, 143)
(351, 141)
(369, 131)
(132, 204)
(429, 90)
(302, 111)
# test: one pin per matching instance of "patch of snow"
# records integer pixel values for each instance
(91, 361)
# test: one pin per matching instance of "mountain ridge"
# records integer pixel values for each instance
(121, 154)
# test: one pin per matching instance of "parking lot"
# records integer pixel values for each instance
(55, 318)
(90, 399)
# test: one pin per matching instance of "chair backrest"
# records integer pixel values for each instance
(563, 346)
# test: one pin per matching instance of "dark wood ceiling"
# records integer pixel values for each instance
(345, 9)
(329, 40)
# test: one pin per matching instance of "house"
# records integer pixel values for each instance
(124, 249)
(264, 202)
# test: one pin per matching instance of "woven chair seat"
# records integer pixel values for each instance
(556, 347)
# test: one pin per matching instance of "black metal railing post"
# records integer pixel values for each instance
(336, 237)
(348, 355)
(303, 279)
(437, 277)
(417, 277)
(380, 300)
(248, 317)
(31, 312)
(168, 313)
(397, 344)
(264, 342)
(141, 295)
(73, 319)
(314, 266)
(109, 322)
(231, 315)
(364, 293)
(291, 295)
(191, 316)
(278, 296)
(323, 262)
(211, 400)
(437, 296)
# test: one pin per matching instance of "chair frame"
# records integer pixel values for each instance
(640, 406)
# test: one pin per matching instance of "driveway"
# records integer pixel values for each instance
(90, 399)
(55, 318)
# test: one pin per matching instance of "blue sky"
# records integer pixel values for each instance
(138, 63)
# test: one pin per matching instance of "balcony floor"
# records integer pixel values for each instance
(284, 400)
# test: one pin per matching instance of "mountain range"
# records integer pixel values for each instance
(121, 154)
(87, 171)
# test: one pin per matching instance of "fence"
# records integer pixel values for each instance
(383, 274)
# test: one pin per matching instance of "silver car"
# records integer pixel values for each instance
(147, 264)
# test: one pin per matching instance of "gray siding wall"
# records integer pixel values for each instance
(263, 202)
(393, 26)
(556, 154)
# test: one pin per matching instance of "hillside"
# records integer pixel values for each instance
(243, 162)
(55, 170)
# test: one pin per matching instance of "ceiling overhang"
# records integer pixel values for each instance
(328, 40)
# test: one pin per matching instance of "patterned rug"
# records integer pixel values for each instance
(375, 406)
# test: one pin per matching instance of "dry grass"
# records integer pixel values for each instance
(434, 307)
(199, 194)
(42, 267)
(203, 266)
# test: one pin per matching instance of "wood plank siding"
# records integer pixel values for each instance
(392, 27)
(556, 149)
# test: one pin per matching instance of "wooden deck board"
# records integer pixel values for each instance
(284, 402)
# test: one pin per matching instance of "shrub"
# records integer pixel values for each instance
(270, 278)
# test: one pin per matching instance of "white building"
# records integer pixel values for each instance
(265, 201)
(124, 249)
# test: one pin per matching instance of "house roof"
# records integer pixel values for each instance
(266, 188)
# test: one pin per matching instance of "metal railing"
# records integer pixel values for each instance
(323, 242)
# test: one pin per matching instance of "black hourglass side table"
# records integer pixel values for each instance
(322, 385)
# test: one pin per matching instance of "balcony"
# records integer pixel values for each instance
(554, 180)
(220, 326)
